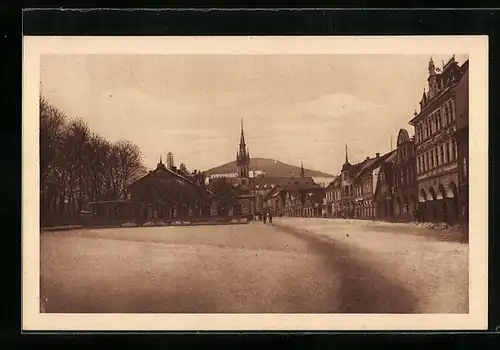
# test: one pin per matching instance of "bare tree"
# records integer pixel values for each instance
(77, 166)
(129, 163)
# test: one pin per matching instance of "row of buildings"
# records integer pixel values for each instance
(424, 178)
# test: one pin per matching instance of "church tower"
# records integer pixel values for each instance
(242, 157)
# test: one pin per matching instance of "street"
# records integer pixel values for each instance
(290, 266)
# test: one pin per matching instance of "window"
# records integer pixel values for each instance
(427, 163)
(442, 154)
(402, 178)
(432, 158)
(436, 157)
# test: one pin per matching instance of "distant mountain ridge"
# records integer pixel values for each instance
(271, 167)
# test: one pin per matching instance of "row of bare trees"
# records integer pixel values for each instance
(78, 166)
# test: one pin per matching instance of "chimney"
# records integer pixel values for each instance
(377, 154)
(367, 158)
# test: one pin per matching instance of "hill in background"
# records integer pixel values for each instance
(271, 167)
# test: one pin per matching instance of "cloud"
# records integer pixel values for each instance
(339, 104)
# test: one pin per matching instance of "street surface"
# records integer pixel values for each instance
(335, 267)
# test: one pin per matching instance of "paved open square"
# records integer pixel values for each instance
(291, 266)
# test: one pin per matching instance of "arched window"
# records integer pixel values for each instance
(446, 152)
(436, 157)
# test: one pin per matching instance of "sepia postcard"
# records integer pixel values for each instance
(255, 183)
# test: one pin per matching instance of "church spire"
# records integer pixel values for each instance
(301, 169)
(346, 159)
(242, 137)
(242, 156)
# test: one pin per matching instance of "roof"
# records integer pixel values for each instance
(162, 172)
(274, 192)
(373, 163)
(447, 79)
(264, 180)
(391, 157)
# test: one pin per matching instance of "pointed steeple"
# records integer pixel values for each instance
(242, 156)
(346, 165)
(161, 161)
(301, 169)
(242, 137)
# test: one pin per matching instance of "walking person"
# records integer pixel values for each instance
(270, 217)
(264, 217)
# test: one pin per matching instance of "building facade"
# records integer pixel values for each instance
(289, 196)
(436, 149)
(365, 184)
(384, 189)
(404, 179)
(462, 137)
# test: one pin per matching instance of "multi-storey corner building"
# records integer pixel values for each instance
(436, 148)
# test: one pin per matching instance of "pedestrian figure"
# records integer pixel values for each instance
(264, 217)
(270, 218)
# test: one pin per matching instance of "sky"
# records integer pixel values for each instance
(295, 108)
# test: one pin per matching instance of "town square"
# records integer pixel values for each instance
(254, 184)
